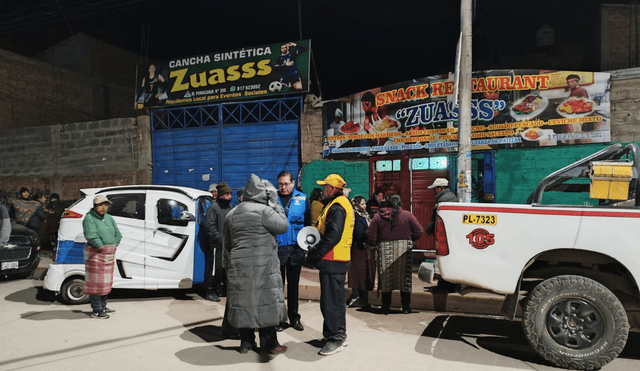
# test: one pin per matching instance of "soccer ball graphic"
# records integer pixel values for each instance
(275, 86)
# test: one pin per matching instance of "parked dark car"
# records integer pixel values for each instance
(19, 257)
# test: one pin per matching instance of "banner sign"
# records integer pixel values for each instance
(510, 108)
(255, 72)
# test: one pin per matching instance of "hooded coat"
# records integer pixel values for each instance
(254, 283)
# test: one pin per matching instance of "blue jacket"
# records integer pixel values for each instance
(296, 210)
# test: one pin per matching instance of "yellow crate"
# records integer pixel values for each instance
(609, 189)
(611, 169)
(610, 180)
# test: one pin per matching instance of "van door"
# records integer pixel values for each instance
(169, 241)
(128, 211)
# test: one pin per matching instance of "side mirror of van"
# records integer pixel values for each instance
(187, 216)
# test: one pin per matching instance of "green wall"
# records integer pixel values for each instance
(518, 171)
(356, 174)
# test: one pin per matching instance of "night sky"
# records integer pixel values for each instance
(357, 45)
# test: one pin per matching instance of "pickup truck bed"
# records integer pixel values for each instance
(572, 269)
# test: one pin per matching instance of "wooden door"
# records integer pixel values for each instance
(423, 202)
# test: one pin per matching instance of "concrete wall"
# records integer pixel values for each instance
(311, 130)
(65, 158)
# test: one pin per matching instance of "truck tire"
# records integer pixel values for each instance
(575, 322)
(72, 291)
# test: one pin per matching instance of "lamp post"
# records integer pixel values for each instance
(464, 108)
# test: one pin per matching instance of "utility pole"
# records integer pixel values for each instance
(464, 108)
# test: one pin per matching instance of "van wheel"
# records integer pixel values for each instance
(575, 322)
(73, 291)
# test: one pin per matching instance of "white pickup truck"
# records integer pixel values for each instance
(573, 270)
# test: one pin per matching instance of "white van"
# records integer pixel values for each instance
(164, 244)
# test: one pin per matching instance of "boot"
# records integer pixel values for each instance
(405, 298)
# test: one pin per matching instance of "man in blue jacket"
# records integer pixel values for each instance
(297, 207)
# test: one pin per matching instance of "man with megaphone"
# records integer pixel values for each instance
(332, 257)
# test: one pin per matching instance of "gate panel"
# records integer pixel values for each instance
(197, 146)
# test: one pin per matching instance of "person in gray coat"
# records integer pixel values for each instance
(254, 289)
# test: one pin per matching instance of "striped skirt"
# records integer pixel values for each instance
(99, 264)
(394, 265)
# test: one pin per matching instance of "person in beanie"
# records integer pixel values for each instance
(103, 238)
(255, 298)
(332, 256)
(214, 222)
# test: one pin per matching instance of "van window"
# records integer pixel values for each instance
(127, 205)
(169, 212)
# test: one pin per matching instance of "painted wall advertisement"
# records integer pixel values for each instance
(510, 108)
(254, 72)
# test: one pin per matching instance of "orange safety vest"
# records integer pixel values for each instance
(342, 250)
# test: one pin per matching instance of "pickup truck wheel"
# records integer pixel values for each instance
(72, 292)
(575, 322)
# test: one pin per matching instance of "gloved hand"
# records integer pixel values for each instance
(430, 228)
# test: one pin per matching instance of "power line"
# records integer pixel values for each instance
(36, 16)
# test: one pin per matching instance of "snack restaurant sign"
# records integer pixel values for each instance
(510, 108)
(230, 75)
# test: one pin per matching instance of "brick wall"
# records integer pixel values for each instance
(618, 37)
(65, 158)
(35, 93)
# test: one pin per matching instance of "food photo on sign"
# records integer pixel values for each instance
(509, 109)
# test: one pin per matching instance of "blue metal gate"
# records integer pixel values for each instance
(197, 146)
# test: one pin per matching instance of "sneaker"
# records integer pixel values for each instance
(109, 311)
(353, 302)
(358, 303)
(279, 349)
(99, 315)
(212, 296)
(332, 347)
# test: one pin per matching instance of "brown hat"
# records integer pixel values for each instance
(223, 188)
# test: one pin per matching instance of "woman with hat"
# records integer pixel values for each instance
(103, 238)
